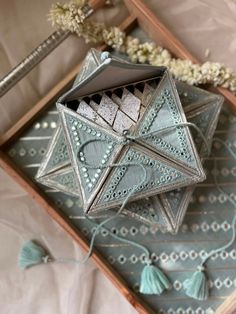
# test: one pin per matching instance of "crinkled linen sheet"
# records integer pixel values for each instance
(56, 289)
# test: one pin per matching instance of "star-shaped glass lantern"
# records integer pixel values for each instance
(108, 97)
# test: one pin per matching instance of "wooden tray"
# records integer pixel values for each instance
(142, 16)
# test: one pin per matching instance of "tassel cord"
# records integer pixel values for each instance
(126, 140)
(119, 238)
(101, 225)
(123, 141)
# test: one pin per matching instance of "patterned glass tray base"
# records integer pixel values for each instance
(206, 225)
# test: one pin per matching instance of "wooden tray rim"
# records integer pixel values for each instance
(159, 33)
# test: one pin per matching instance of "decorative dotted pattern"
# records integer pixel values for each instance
(23, 152)
(60, 152)
(75, 128)
(168, 175)
(188, 310)
(144, 209)
(45, 125)
(68, 181)
(177, 285)
(183, 256)
(213, 198)
(166, 98)
(152, 114)
(203, 227)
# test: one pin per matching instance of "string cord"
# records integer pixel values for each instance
(101, 225)
(126, 139)
(169, 128)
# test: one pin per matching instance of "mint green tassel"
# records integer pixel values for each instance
(32, 254)
(153, 280)
(197, 287)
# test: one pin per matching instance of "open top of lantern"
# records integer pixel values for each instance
(103, 71)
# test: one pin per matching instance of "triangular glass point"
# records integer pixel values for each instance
(160, 176)
(165, 111)
(92, 149)
(63, 180)
(192, 96)
(90, 64)
(56, 156)
(205, 117)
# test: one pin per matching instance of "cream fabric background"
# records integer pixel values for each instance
(61, 289)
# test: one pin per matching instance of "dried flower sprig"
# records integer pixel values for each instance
(213, 73)
(70, 17)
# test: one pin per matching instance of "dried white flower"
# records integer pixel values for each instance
(114, 37)
(70, 16)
